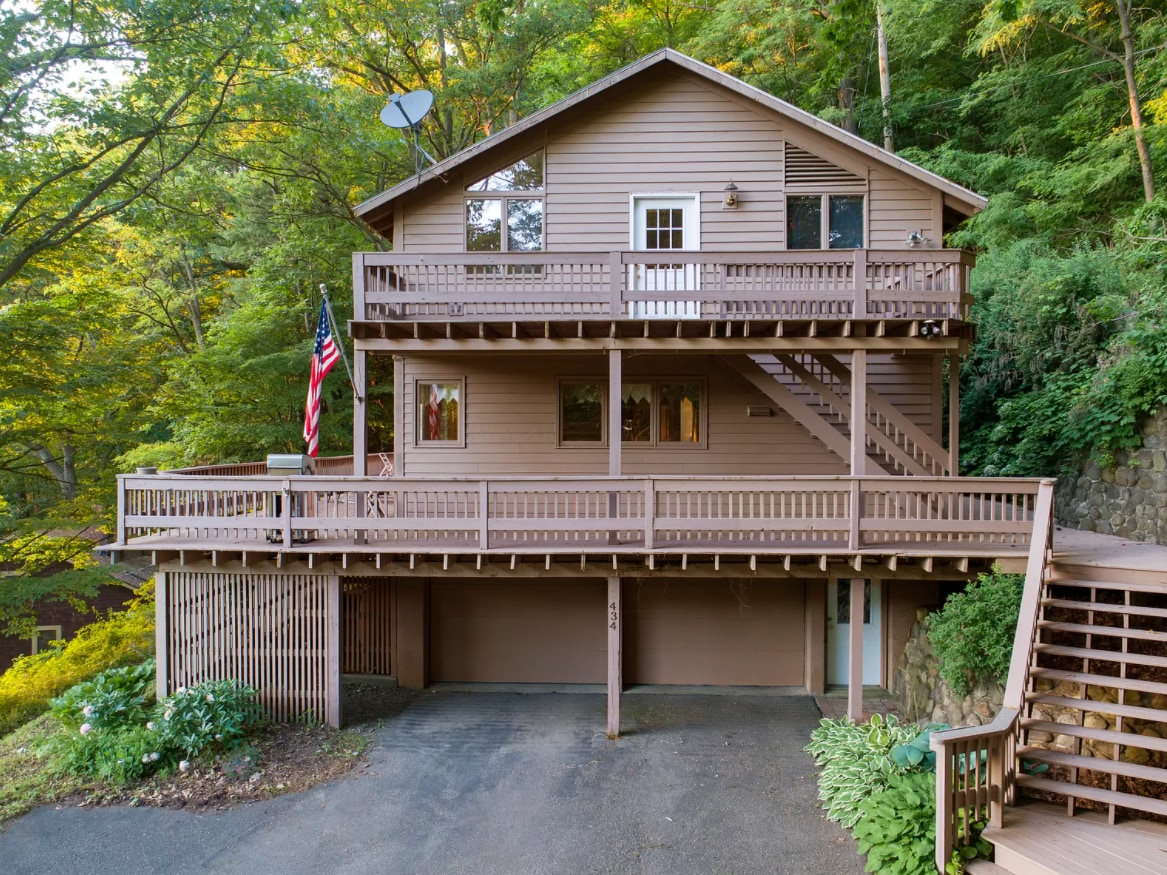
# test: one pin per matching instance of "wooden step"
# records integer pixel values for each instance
(984, 867)
(1094, 794)
(1112, 736)
(1101, 655)
(1102, 680)
(1096, 707)
(1104, 631)
(1104, 608)
(1128, 586)
(1094, 764)
(1041, 839)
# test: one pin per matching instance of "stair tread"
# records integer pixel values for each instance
(1103, 631)
(1133, 711)
(1094, 764)
(1096, 794)
(1113, 736)
(1104, 608)
(1101, 655)
(1101, 680)
(984, 867)
(1131, 586)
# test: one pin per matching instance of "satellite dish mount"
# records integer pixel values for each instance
(406, 111)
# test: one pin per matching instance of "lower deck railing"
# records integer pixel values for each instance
(573, 514)
(976, 771)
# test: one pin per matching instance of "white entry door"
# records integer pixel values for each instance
(839, 631)
(664, 223)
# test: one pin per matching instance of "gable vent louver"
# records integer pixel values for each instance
(803, 168)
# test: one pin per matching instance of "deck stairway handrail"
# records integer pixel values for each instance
(976, 767)
(860, 284)
(631, 514)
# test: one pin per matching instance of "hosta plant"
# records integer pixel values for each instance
(897, 830)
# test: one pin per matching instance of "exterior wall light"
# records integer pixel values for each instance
(730, 199)
(929, 329)
(915, 238)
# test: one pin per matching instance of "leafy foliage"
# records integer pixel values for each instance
(897, 826)
(123, 638)
(918, 754)
(972, 634)
(856, 762)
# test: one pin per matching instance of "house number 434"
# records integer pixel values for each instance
(613, 616)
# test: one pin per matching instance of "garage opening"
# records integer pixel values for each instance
(366, 621)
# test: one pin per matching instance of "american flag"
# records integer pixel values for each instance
(324, 356)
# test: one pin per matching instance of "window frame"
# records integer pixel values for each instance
(60, 634)
(421, 442)
(654, 441)
(824, 220)
(503, 196)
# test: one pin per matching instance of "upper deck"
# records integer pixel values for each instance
(781, 293)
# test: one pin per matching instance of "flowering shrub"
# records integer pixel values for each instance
(112, 733)
(210, 717)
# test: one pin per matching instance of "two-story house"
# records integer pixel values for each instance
(675, 383)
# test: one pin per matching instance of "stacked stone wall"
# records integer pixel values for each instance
(1128, 498)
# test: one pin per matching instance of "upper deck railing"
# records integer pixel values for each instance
(601, 515)
(860, 284)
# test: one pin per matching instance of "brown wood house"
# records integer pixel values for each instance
(675, 372)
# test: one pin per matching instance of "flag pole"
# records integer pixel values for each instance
(339, 344)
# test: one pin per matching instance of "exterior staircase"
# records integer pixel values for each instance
(1083, 728)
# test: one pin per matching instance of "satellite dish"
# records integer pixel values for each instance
(407, 110)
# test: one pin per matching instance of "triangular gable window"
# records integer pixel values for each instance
(526, 174)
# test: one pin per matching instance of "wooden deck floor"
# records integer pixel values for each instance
(1090, 549)
(1039, 839)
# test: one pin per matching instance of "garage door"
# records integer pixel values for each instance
(518, 631)
(714, 632)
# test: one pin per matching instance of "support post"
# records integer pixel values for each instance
(332, 671)
(615, 620)
(855, 675)
(816, 644)
(858, 412)
(953, 414)
(398, 415)
(615, 424)
(360, 414)
(161, 634)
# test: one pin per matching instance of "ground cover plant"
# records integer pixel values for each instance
(878, 779)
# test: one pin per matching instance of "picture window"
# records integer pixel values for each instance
(827, 221)
(440, 413)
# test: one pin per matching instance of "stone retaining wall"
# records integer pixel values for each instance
(924, 696)
(1128, 499)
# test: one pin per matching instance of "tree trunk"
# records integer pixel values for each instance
(889, 142)
(847, 105)
(63, 471)
(1128, 67)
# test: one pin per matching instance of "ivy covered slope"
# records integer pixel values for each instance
(177, 180)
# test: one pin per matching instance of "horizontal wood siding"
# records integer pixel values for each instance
(898, 207)
(681, 134)
(266, 630)
(511, 422)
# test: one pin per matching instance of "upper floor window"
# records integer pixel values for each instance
(511, 218)
(824, 221)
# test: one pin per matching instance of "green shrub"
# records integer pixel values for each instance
(897, 827)
(856, 762)
(112, 733)
(972, 634)
(123, 638)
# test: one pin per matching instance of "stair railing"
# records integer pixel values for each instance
(976, 767)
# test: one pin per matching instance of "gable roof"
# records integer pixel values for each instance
(377, 210)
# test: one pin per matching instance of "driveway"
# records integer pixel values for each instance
(506, 783)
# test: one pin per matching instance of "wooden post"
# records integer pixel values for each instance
(614, 615)
(359, 287)
(360, 414)
(858, 412)
(816, 624)
(616, 281)
(161, 634)
(332, 637)
(859, 278)
(855, 675)
(398, 416)
(953, 414)
(286, 513)
(615, 423)
(121, 509)
(944, 833)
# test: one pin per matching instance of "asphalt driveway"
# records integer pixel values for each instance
(506, 783)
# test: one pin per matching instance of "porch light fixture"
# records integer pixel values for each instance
(915, 238)
(929, 329)
(730, 199)
(758, 410)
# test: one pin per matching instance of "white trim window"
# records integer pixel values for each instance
(825, 221)
(440, 412)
